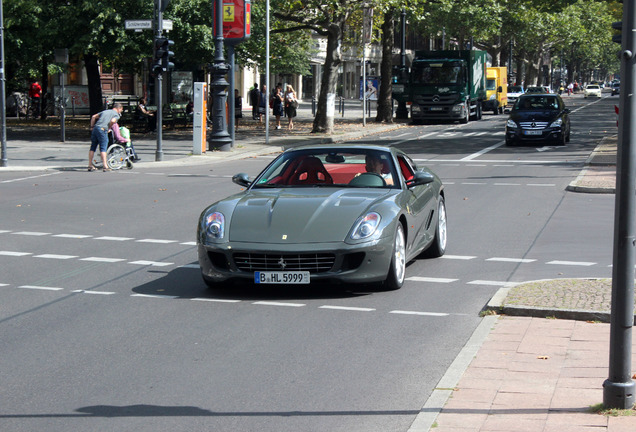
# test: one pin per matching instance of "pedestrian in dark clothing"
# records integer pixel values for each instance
(262, 102)
(277, 103)
(254, 96)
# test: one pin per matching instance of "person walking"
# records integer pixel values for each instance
(291, 104)
(238, 108)
(101, 123)
(254, 96)
(262, 103)
(35, 93)
(277, 103)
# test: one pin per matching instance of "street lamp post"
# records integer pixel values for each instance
(219, 139)
(402, 111)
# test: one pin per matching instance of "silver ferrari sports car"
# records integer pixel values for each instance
(350, 214)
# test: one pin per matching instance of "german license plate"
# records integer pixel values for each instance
(281, 277)
(532, 132)
(437, 108)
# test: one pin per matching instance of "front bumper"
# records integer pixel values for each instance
(525, 135)
(361, 263)
(436, 112)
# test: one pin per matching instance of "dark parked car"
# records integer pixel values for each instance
(326, 213)
(616, 88)
(538, 118)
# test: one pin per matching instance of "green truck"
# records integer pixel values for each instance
(445, 85)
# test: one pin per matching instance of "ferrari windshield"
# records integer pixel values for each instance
(346, 168)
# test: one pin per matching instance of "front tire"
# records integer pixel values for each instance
(438, 247)
(397, 270)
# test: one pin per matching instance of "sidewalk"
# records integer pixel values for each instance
(523, 371)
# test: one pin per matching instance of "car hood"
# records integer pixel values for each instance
(303, 215)
(538, 116)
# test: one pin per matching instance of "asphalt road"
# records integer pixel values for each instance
(105, 323)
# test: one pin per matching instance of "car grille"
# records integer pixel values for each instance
(312, 262)
(537, 125)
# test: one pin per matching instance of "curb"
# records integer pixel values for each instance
(576, 186)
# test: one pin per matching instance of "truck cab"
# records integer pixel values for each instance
(496, 90)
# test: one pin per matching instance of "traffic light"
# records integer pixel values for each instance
(618, 25)
(161, 62)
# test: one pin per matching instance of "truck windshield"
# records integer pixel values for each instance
(491, 84)
(436, 73)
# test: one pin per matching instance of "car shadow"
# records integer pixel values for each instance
(186, 283)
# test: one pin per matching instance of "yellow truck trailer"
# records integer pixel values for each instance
(496, 90)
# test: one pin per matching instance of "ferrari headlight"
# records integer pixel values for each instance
(215, 225)
(511, 124)
(557, 123)
(366, 226)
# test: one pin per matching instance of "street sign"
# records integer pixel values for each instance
(167, 25)
(138, 25)
(236, 20)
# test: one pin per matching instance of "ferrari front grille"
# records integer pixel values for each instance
(311, 262)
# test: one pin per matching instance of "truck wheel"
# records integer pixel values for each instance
(479, 111)
(466, 118)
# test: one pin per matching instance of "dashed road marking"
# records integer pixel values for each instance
(271, 303)
(151, 263)
(114, 238)
(103, 259)
(31, 233)
(458, 257)
(347, 308)
(572, 263)
(73, 236)
(514, 260)
(435, 314)
(156, 296)
(36, 287)
(94, 292)
(54, 256)
(430, 279)
(156, 241)
(492, 283)
(203, 299)
(17, 254)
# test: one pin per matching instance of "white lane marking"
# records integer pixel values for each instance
(11, 253)
(401, 135)
(28, 178)
(93, 292)
(480, 133)
(151, 263)
(435, 314)
(189, 243)
(541, 184)
(192, 266)
(215, 300)
(35, 287)
(482, 152)
(514, 260)
(114, 238)
(103, 259)
(73, 236)
(4, 231)
(156, 241)
(157, 296)
(54, 256)
(347, 308)
(507, 184)
(427, 135)
(430, 279)
(572, 263)
(3, 284)
(493, 283)
(458, 257)
(31, 233)
(271, 303)
(474, 183)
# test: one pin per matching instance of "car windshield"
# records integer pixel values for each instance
(536, 103)
(535, 90)
(593, 86)
(330, 168)
(515, 89)
(434, 73)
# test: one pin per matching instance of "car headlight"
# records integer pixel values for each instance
(557, 123)
(215, 225)
(511, 124)
(458, 108)
(366, 226)
(415, 108)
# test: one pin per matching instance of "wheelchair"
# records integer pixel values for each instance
(118, 156)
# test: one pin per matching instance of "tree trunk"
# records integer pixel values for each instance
(323, 122)
(385, 97)
(94, 84)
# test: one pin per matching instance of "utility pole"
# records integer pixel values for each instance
(618, 389)
(3, 109)
(159, 82)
